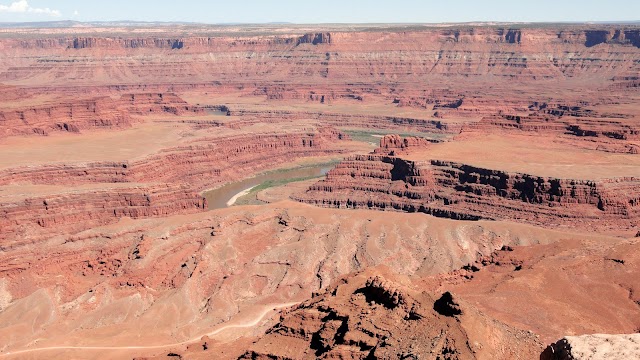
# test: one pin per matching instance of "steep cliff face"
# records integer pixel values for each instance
(201, 164)
(71, 117)
(573, 35)
(95, 172)
(35, 217)
(315, 39)
(101, 112)
(78, 43)
(611, 36)
(460, 191)
(211, 161)
(512, 36)
(344, 57)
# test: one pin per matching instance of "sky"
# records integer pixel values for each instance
(325, 11)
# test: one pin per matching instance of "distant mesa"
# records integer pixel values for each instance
(315, 39)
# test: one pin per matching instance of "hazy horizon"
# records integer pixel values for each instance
(125, 21)
(331, 11)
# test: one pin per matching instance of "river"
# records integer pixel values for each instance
(227, 194)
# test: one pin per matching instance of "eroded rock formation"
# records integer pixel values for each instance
(460, 191)
(181, 172)
(202, 164)
(217, 265)
(363, 318)
(609, 132)
(103, 112)
(32, 218)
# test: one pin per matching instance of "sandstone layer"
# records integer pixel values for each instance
(103, 112)
(382, 64)
(177, 175)
(513, 184)
(387, 181)
(610, 132)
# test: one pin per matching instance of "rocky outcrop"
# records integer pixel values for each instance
(106, 43)
(594, 347)
(365, 318)
(315, 39)
(612, 36)
(394, 144)
(157, 103)
(513, 36)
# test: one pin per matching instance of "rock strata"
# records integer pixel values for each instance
(102, 113)
(460, 191)
(29, 219)
(203, 163)
(609, 132)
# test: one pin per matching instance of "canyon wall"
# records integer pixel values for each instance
(72, 117)
(94, 113)
(177, 175)
(345, 57)
(130, 235)
(453, 73)
(202, 164)
(460, 191)
(344, 119)
(33, 218)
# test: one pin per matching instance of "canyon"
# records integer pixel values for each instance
(482, 203)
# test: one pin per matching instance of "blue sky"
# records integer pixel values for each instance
(324, 11)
